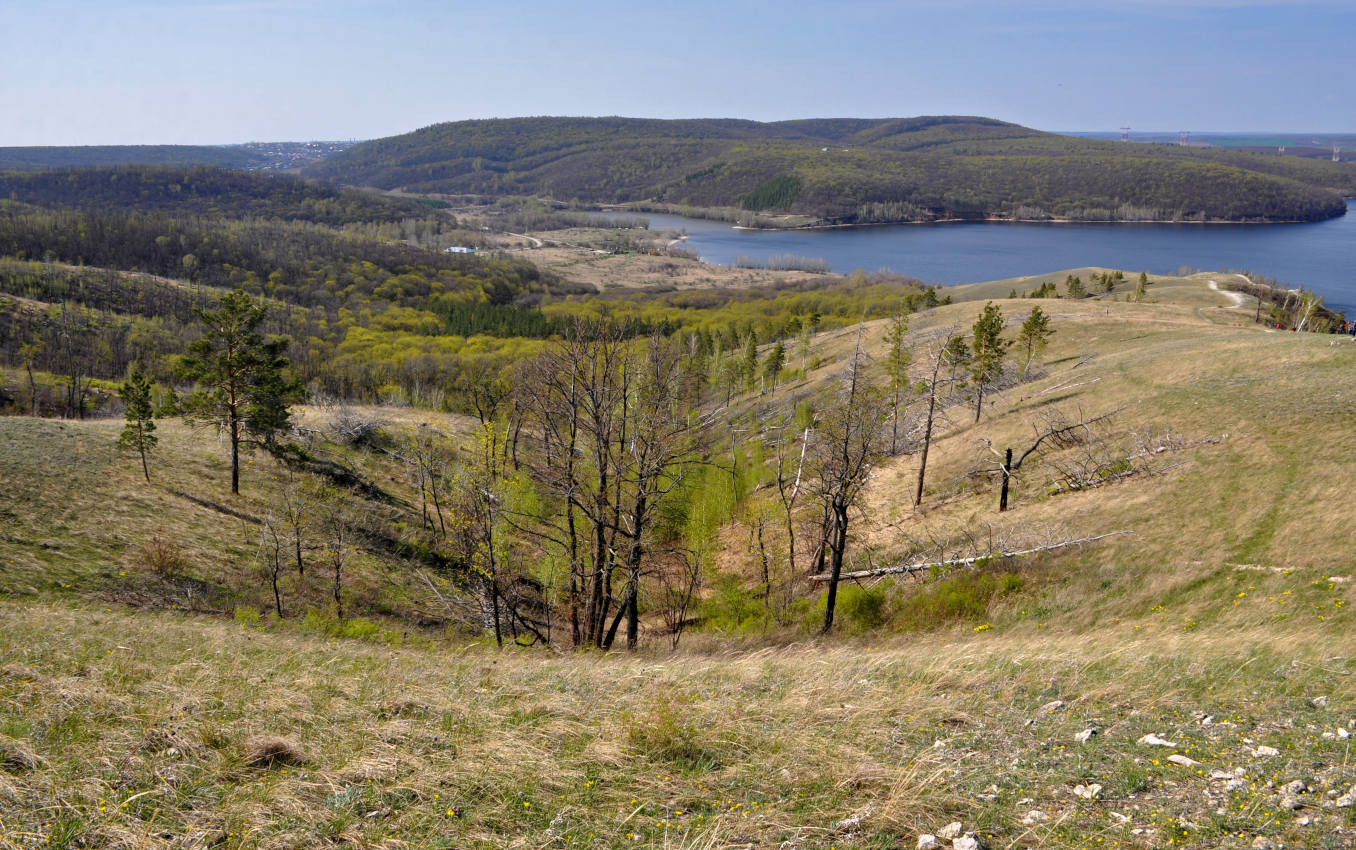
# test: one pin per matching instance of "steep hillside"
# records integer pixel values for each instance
(1185, 683)
(846, 170)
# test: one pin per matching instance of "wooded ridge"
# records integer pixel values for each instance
(847, 171)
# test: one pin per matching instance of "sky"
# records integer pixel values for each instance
(82, 72)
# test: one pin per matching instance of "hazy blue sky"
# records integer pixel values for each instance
(156, 71)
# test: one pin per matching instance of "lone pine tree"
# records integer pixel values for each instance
(241, 384)
(138, 434)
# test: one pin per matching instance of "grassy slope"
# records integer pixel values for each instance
(1220, 603)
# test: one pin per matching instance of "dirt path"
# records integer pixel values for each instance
(536, 243)
(1236, 297)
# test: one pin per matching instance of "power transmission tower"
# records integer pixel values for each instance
(1125, 134)
(1183, 138)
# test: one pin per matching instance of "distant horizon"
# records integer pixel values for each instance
(178, 72)
(356, 139)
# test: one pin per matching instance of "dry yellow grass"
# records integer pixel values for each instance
(144, 732)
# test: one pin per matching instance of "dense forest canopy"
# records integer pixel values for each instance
(847, 170)
(84, 156)
(202, 191)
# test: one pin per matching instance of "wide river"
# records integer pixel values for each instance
(1320, 256)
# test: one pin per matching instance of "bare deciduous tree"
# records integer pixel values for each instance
(848, 441)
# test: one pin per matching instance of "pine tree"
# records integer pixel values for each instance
(1035, 334)
(241, 386)
(776, 359)
(1140, 285)
(897, 361)
(138, 434)
(988, 348)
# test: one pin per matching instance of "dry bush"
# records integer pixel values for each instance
(351, 427)
(273, 752)
(17, 756)
(161, 555)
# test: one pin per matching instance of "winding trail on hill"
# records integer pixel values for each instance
(1235, 297)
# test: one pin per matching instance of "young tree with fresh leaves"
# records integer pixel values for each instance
(138, 434)
(1034, 335)
(988, 349)
(242, 387)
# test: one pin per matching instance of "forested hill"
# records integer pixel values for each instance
(203, 191)
(847, 170)
(86, 156)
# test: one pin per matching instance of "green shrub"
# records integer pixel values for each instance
(733, 608)
(964, 596)
(360, 628)
(247, 616)
(668, 731)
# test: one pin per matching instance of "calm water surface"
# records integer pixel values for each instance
(1319, 256)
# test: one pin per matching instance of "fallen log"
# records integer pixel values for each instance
(904, 569)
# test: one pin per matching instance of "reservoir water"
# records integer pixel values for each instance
(1320, 256)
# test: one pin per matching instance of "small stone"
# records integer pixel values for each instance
(1221, 775)
(1120, 818)
(1345, 801)
(1289, 803)
(1261, 842)
(928, 841)
(1034, 817)
(1086, 735)
(1152, 740)
(1051, 707)
(1235, 785)
(950, 831)
(1088, 792)
(1293, 788)
(1265, 752)
(1342, 733)
(848, 824)
(968, 841)
(1184, 761)
(1319, 702)
(1304, 821)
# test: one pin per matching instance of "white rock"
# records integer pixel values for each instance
(1304, 821)
(1342, 733)
(1051, 707)
(1293, 788)
(928, 841)
(1319, 702)
(1120, 818)
(1034, 817)
(1265, 752)
(968, 841)
(1088, 792)
(950, 831)
(1221, 775)
(850, 823)
(1345, 801)
(1085, 736)
(1184, 761)
(1261, 842)
(1152, 740)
